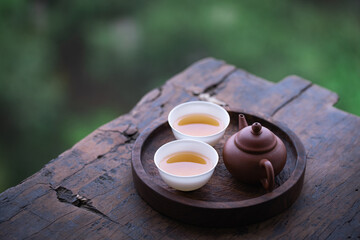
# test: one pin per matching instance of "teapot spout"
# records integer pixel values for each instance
(242, 121)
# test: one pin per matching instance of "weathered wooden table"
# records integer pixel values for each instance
(88, 191)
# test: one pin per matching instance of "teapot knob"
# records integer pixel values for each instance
(255, 138)
(256, 128)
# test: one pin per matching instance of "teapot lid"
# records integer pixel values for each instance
(255, 138)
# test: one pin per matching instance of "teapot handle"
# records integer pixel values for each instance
(268, 182)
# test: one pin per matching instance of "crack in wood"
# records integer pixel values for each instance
(131, 137)
(162, 109)
(208, 94)
(66, 195)
(130, 133)
(213, 87)
(291, 99)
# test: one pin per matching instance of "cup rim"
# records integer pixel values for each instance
(188, 140)
(199, 102)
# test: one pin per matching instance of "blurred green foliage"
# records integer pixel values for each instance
(67, 67)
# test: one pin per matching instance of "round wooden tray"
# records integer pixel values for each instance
(223, 201)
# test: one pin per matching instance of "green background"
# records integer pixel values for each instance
(67, 67)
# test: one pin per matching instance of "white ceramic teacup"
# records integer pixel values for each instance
(199, 107)
(186, 183)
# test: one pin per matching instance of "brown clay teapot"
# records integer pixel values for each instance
(254, 154)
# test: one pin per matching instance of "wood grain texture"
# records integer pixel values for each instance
(88, 192)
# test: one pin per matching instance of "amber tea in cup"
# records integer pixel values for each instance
(198, 124)
(185, 164)
(199, 120)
